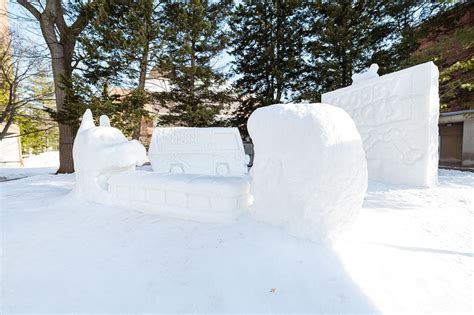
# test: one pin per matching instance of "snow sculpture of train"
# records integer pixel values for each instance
(309, 174)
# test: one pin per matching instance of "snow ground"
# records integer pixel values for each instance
(410, 251)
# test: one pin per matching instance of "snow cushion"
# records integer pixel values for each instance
(309, 173)
(194, 197)
(210, 151)
(397, 117)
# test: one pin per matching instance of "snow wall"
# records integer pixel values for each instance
(310, 173)
(397, 117)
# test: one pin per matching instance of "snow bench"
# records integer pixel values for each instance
(198, 174)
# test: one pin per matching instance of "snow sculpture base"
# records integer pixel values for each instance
(397, 117)
(309, 174)
(184, 196)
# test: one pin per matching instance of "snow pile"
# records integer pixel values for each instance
(309, 174)
(397, 117)
(100, 152)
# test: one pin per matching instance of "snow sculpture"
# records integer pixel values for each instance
(99, 153)
(397, 117)
(309, 173)
(211, 151)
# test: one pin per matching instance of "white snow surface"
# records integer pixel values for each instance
(309, 172)
(410, 250)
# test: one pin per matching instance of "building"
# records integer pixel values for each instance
(10, 148)
(4, 24)
(448, 39)
(456, 138)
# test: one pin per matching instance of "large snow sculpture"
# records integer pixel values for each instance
(397, 117)
(99, 153)
(309, 173)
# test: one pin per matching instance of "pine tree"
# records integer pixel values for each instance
(346, 37)
(193, 37)
(268, 47)
(118, 47)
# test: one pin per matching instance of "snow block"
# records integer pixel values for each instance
(99, 153)
(397, 117)
(309, 173)
(209, 151)
(218, 199)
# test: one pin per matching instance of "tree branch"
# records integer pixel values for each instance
(31, 8)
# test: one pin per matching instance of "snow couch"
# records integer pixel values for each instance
(309, 174)
(199, 174)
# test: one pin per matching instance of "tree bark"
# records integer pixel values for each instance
(66, 140)
(62, 72)
(141, 86)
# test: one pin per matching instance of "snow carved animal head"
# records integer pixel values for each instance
(100, 152)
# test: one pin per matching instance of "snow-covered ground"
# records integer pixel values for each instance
(411, 250)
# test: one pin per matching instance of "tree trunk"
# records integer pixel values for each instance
(141, 86)
(62, 72)
(143, 66)
(61, 40)
(66, 140)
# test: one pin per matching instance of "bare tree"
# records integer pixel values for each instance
(61, 37)
(18, 65)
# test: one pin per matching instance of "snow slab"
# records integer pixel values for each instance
(397, 117)
(411, 251)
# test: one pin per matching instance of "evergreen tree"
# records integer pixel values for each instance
(193, 37)
(346, 37)
(118, 47)
(268, 47)
(406, 17)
